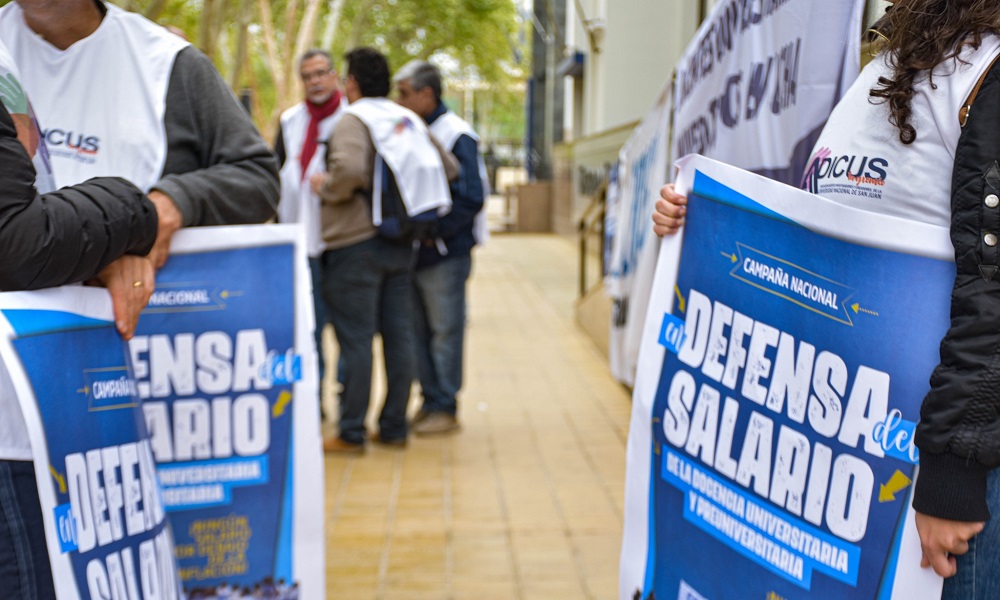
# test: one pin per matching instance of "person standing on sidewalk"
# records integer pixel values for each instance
(367, 277)
(302, 137)
(443, 265)
(913, 106)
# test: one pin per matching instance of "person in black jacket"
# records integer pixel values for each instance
(958, 487)
(101, 229)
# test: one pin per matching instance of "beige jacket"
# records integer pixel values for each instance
(345, 214)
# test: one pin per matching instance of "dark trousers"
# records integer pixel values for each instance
(368, 288)
(25, 573)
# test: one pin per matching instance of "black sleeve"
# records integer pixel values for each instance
(218, 169)
(279, 147)
(466, 191)
(959, 430)
(68, 235)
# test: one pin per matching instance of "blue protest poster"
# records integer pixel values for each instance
(101, 498)
(793, 367)
(220, 370)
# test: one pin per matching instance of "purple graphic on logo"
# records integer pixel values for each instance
(810, 179)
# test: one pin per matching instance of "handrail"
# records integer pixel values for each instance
(591, 222)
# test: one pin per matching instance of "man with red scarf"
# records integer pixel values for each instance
(304, 129)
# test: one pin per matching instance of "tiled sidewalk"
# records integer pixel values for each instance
(526, 501)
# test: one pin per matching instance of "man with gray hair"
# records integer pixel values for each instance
(304, 131)
(443, 268)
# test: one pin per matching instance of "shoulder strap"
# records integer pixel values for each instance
(963, 113)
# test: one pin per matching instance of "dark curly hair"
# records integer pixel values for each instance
(918, 36)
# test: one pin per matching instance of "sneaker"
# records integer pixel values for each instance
(437, 423)
(391, 442)
(335, 445)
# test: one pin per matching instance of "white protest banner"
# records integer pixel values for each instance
(779, 385)
(753, 90)
(642, 169)
(759, 80)
(224, 368)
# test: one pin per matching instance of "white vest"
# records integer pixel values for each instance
(402, 140)
(447, 129)
(101, 101)
(299, 204)
(859, 160)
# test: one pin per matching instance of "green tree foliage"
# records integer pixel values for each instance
(477, 33)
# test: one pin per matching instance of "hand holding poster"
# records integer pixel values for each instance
(780, 381)
(222, 371)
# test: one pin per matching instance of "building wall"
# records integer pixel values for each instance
(638, 44)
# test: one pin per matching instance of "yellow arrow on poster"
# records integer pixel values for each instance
(732, 257)
(681, 302)
(60, 479)
(857, 308)
(284, 399)
(897, 483)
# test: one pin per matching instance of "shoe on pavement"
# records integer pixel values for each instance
(420, 416)
(335, 445)
(391, 442)
(437, 423)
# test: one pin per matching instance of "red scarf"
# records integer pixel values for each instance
(317, 112)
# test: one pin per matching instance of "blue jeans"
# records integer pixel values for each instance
(367, 290)
(440, 301)
(978, 576)
(25, 573)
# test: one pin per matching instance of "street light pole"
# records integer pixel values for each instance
(549, 35)
(550, 85)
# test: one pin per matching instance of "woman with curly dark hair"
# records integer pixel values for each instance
(918, 136)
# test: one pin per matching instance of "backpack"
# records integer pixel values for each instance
(389, 212)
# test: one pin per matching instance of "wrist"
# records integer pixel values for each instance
(167, 213)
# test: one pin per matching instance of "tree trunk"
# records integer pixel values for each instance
(274, 62)
(332, 20)
(240, 55)
(291, 23)
(307, 36)
(205, 33)
(357, 25)
(154, 10)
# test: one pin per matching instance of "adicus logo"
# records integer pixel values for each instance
(847, 170)
(70, 144)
